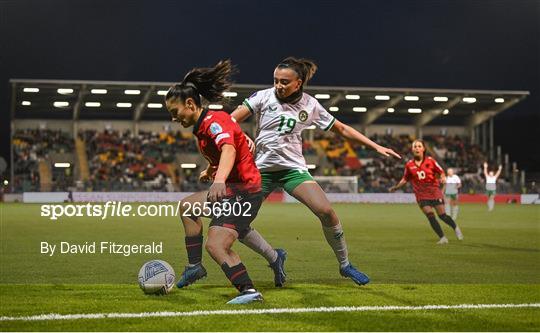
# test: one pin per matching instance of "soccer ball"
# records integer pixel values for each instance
(156, 277)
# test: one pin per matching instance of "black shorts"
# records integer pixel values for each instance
(238, 212)
(431, 202)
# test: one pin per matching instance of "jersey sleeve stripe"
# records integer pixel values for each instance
(330, 125)
(221, 137)
(438, 167)
(246, 103)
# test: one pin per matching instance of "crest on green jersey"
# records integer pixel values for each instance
(303, 115)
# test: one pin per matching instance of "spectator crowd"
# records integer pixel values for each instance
(30, 146)
(148, 161)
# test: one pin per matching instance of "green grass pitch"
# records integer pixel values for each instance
(497, 263)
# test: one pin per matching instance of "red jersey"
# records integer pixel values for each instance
(423, 178)
(213, 130)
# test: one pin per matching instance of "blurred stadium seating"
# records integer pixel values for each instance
(116, 136)
(150, 161)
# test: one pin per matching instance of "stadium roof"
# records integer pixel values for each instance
(139, 101)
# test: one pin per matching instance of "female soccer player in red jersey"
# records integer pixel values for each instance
(422, 171)
(234, 197)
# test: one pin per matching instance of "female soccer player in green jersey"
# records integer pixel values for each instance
(491, 185)
(283, 112)
(451, 192)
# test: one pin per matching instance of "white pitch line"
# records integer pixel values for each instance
(55, 316)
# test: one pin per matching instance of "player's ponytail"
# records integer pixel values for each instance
(209, 83)
(305, 68)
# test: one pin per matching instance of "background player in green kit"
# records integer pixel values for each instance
(451, 191)
(491, 185)
(282, 113)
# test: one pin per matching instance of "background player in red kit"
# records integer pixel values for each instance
(423, 172)
(237, 181)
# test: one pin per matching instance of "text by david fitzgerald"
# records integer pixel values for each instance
(100, 248)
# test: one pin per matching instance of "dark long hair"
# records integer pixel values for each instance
(209, 83)
(305, 68)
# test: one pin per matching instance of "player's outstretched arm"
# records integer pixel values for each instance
(226, 162)
(241, 113)
(485, 169)
(498, 172)
(398, 185)
(350, 133)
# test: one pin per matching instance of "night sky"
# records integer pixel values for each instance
(424, 44)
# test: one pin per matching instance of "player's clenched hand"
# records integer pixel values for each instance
(204, 177)
(387, 152)
(207, 174)
(217, 191)
(392, 189)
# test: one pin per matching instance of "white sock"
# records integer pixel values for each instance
(336, 240)
(257, 243)
(455, 213)
(491, 204)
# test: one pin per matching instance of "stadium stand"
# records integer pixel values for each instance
(376, 173)
(130, 146)
(121, 161)
(32, 147)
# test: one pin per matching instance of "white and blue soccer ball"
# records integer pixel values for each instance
(156, 277)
